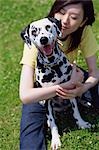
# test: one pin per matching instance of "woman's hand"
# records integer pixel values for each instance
(76, 88)
(70, 93)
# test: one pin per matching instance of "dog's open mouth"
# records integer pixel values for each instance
(47, 49)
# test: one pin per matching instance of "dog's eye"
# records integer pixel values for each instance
(47, 27)
(34, 32)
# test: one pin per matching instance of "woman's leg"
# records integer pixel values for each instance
(32, 133)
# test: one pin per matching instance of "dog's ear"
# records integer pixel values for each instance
(56, 21)
(58, 25)
(58, 31)
(25, 36)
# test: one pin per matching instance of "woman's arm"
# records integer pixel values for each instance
(92, 80)
(30, 94)
(27, 91)
(93, 71)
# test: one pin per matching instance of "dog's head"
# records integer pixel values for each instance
(43, 34)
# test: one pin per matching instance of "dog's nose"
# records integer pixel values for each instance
(44, 40)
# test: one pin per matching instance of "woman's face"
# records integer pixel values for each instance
(71, 17)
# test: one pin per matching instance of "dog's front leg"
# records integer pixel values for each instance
(55, 143)
(79, 121)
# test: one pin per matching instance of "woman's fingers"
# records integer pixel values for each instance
(64, 97)
(70, 93)
(65, 94)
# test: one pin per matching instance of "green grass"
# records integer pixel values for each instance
(14, 15)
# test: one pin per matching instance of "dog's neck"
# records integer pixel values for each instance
(50, 60)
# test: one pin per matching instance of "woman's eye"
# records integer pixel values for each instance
(47, 27)
(74, 17)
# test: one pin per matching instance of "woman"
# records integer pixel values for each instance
(75, 23)
(76, 19)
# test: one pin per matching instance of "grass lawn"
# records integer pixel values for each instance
(14, 15)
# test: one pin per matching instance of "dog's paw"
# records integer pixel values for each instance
(83, 125)
(56, 143)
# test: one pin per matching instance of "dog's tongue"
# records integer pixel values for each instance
(47, 50)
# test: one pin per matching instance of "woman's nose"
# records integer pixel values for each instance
(65, 19)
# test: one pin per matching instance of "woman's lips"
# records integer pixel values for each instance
(64, 28)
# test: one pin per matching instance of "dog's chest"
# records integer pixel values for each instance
(53, 73)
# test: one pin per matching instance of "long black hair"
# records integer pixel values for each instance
(75, 37)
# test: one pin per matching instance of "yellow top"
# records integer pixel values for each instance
(88, 47)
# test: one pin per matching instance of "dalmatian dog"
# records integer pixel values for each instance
(52, 67)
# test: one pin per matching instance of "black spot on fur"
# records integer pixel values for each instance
(76, 119)
(37, 84)
(73, 105)
(60, 63)
(48, 78)
(39, 64)
(50, 119)
(57, 70)
(51, 59)
(53, 80)
(43, 70)
(55, 50)
(38, 77)
(64, 60)
(69, 68)
(63, 81)
(68, 78)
